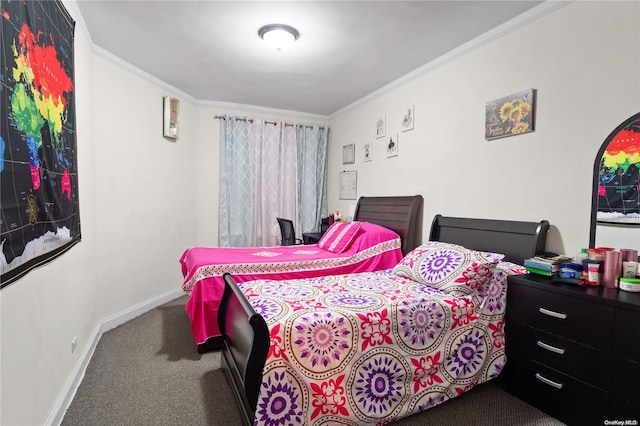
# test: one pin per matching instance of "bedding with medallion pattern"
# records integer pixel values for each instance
(370, 348)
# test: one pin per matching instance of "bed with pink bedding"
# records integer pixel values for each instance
(384, 229)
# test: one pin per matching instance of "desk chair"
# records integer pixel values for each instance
(288, 232)
(324, 224)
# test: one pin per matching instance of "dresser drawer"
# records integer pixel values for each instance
(557, 393)
(626, 335)
(625, 379)
(587, 322)
(572, 351)
(585, 363)
(623, 408)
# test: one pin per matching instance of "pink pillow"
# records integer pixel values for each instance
(448, 267)
(339, 236)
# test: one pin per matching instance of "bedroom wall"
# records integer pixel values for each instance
(583, 61)
(143, 199)
(137, 196)
(42, 312)
(145, 185)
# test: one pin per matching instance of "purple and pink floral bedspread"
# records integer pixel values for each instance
(370, 348)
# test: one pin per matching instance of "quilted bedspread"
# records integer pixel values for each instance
(375, 248)
(369, 348)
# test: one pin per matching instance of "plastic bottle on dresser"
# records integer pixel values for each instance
(583, 255)
(629, 263)
(579, 259)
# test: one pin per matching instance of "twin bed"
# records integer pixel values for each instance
(383, 231)
(372, 347)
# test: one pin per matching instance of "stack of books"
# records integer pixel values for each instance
(546, 264)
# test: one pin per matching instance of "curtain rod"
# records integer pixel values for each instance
(250, 120)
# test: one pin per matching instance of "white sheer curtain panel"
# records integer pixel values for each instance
(275, 179)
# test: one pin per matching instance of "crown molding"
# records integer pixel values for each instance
(491, 35)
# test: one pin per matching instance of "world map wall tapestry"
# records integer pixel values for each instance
(38, 168)
(619, 175)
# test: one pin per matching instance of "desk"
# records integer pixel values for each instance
(311, 237)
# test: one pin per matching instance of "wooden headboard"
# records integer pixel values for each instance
(402, 214)
(516, 240)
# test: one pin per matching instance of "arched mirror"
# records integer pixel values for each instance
(615, 205)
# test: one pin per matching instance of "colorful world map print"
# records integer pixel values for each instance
(619, 175)
(38, 161)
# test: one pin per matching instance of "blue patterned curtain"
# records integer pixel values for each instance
(312, 176)
(235, 221)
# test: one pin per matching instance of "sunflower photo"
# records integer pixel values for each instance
(509, 116)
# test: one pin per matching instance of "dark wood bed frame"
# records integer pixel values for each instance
(400, 214)
(516, 240)
(246, 336)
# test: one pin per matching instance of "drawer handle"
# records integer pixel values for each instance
(552, 313)
(548, 347)
(548, 382)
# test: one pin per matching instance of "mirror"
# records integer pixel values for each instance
(171, 112)
(615, 203)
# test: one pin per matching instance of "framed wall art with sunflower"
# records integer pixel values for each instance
(510, 116)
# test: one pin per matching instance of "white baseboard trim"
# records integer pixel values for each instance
(135, 311)
(70, 387)
(73, 382)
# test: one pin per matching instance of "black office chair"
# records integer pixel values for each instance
(288, 232)
(324, 224)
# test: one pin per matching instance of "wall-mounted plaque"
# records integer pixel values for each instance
(348, 185)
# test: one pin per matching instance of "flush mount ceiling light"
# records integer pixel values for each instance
(278, 36)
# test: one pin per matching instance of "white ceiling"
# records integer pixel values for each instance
(210, 50)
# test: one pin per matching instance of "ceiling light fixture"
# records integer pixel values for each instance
(278, 36)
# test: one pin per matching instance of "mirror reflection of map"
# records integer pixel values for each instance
(619, 176)
(38, 168)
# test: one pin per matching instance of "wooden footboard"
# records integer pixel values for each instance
(246, 344)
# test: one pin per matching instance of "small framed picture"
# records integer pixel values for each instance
(368, 151)
(381, 127)
(510, 116)
(171, 114)
(392, 146)
(407, 119)
(349, 154)
(348, 185)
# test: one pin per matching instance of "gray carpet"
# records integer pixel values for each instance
(148, 372)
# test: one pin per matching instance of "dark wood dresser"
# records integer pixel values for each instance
(573, 352)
